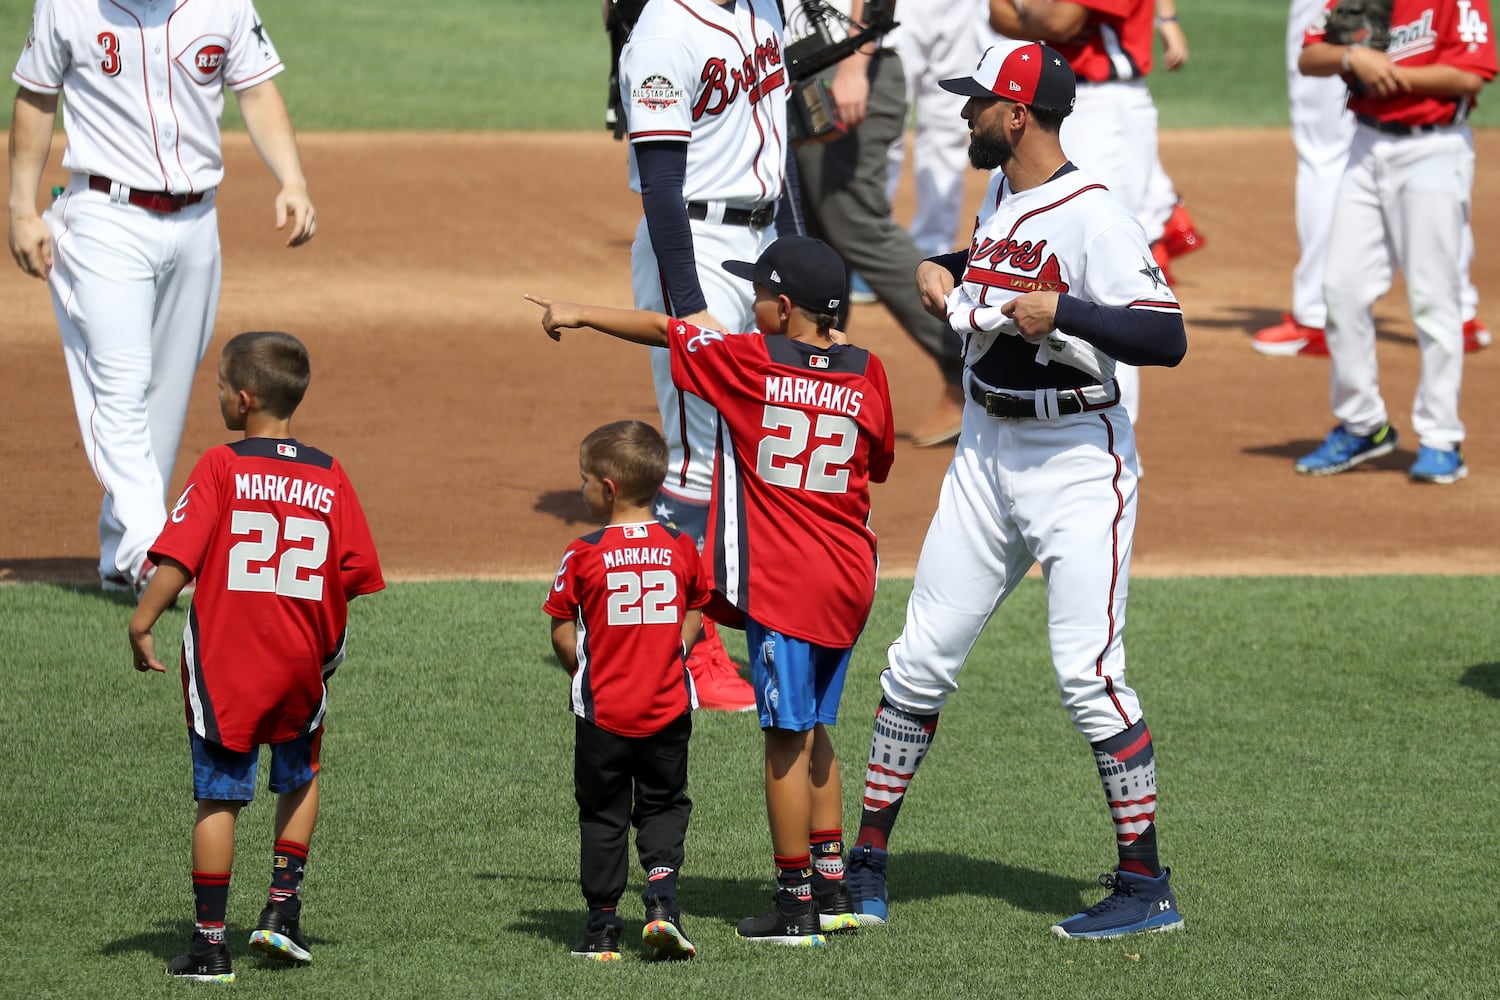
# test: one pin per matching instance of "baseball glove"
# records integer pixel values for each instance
(1360, 22)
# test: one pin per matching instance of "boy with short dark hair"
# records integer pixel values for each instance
(805, 427)
(624, 607)
(275, 536)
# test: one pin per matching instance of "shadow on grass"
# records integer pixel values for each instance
(929, 874)
(1484, 678)
(169, 938)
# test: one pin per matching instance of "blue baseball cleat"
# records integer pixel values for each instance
(1136, 904)
(865, 873)
(1342, 451)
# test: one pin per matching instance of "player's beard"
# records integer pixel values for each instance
(988, 151)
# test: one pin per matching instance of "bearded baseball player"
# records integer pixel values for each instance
(704, 91)
(1057, 286)
(130, 249)
(1322, 131)
(1403, 202)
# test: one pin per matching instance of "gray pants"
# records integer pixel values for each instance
(844, 197)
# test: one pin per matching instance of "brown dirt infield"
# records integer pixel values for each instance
(458, 420)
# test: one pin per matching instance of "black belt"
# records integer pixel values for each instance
(1396, 128)
(154, 201)
(1009, 406)
(758, 218)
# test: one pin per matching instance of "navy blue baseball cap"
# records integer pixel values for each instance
(1023, 72)
(805, 270)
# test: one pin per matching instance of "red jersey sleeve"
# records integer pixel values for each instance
(359, 565)
(562, 597)
(191, 522)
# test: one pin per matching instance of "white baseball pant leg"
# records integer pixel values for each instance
(135, 294)
(689, 424)
(1413, 193)
(936, 41)
(1061, 493)
(1161, 199)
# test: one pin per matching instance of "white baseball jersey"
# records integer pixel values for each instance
(712, 77)
(144, 83)
(1068, 235)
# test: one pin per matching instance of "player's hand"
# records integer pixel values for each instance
(292, 203)
(1174, 53)
(1035, 314)
(559, 316)
(850, 90)
(1376, 72)
(704, 320)
(143, 653)
(934, 282)
(31, 245)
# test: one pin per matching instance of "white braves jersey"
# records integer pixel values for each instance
(143, 83)
(712, 77)
(1068, 235)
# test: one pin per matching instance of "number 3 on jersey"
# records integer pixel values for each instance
(826, 468)
(294, 573)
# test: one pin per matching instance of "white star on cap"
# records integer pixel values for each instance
(1057, 62)
(1026, 57)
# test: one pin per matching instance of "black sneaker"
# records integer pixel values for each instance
(280, 936)
(203, 962)
(835, 906)
(600, 944)
(788, 923)
(663, 931)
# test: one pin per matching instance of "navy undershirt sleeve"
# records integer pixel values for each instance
(956, 262)
(662, 167)
(1134, 336)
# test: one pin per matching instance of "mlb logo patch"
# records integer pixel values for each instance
(635, 531)
(818, 361)
(286, 450)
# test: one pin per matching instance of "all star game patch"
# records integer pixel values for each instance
(657, 93)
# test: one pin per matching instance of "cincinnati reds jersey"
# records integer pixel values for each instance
(278, 542)
(628, 587)
(1427, 33)
(143, 83)
(1115, 43)
(1068, 235)
(693, 70)
(802, 434)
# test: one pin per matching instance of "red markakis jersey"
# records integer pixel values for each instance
(277, 540)
(802, 434)
(628, 587)
(1115, 43)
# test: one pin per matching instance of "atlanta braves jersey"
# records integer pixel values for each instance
(1115, 43)
(276, 538)
(1067, 235)
(1427, 33)
(144, 83)
(628, 587)
(693, 70)
(802, 434)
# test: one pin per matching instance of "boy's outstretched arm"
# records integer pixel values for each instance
(634, 325)
(166, 583)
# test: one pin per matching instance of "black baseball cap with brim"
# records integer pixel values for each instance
(805, 270)
(1023, 72)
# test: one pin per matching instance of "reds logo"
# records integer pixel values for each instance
(205, 58)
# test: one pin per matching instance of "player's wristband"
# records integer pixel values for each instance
(1169, 19)
(1344, 62)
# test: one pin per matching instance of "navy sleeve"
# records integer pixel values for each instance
(1134, 336)
(662, 167)
(956, 262)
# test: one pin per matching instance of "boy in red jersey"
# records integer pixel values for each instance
(625, 605)
(276, 538)
(805, 426)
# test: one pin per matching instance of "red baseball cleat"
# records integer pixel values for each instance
(1289, 338)
(1160, 254)
(1180, 236)
(1476, 337)
(717, 677)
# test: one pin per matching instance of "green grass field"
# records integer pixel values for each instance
(1326, 752)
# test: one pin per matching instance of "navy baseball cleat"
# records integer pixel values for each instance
(834, 905)
(865, 873)
(203, 962)
(279, 936)
(601, 943)
(663, 931)
(1341, 450)
(1136, 904)
(790, 923)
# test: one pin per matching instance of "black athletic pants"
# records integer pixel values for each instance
(609, 772)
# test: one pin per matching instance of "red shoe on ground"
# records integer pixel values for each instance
(1289, 338)
(1180, 236)
(1163, 257)
(1476, 337)
(715, 675)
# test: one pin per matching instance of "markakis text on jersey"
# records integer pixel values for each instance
(283, 489)
(814, 393)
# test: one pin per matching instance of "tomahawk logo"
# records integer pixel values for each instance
(180, 511)
(1472, 29)
(563, 568)
(702, 339)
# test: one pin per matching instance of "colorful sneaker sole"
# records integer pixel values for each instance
(279, 946)
(797, 941)
(668, 942)
(832, 923)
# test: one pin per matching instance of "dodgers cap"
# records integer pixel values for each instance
(805, 270)
(1024, 72)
